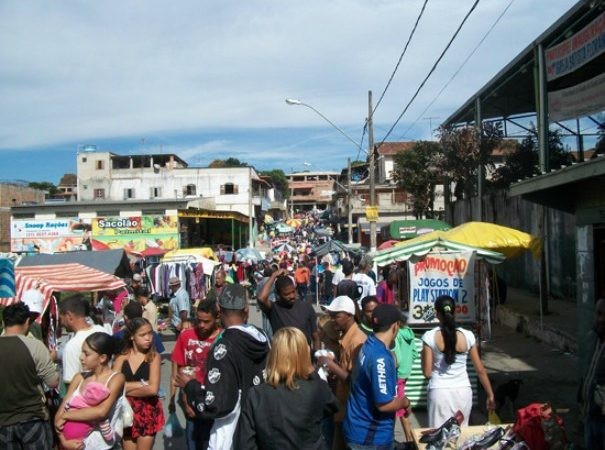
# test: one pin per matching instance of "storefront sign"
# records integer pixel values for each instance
(136, 233)
(49, 236)
(214, 215)
(442, 274)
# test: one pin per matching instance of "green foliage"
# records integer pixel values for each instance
(45, 186)
(416, 172)
(524, 161)
(358, 162)
(279, 179)
(464, 150)
(229, 162)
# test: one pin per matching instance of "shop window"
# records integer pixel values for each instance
(99, 193)
(100, 164)
(155, 192)
(229, 189)
(190, 189)
(128, 193)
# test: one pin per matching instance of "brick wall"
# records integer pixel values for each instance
(10, 195)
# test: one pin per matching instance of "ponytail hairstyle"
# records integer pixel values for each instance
(446, 306)
(103, 344)
(131, 329)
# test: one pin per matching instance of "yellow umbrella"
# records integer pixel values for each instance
(294, 223)
(205, 252)
(505, 240)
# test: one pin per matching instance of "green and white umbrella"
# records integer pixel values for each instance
(417, 249)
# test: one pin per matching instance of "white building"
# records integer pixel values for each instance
(107, 176)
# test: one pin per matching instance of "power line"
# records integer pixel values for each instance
(401, 56)
(430, 71)
(363, 133)
(459, 68)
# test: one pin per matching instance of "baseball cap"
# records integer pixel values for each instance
(137, 277)
(342, 303)
(34, 300)
(385, 315)
(233, 296)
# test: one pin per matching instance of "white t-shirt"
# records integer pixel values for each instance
(337, 277)
(368, 285)
(73, 349)
(444, 375)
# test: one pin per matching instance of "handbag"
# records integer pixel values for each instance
(127, 413)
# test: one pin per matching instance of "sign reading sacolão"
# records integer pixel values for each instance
(121, 222)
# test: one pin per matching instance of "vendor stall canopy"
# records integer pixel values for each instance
(114, 262)
(71, 277)
(416, 249)
(409, 229)
(492, 242)
(205, 252)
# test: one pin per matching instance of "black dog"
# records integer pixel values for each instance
(508, 390)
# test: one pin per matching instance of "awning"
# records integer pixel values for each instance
(61, 278)
(114, 262)
(418, 248)
(407, 229)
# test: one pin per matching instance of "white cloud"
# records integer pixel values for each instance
(78, 71)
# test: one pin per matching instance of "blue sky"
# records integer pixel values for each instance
(208, 80)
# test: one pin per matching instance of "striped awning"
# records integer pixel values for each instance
(418, 248)
(71, 277)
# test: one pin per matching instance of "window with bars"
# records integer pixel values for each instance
(99, 193)
(228, 189)
(100, 164)
(128, 193)
(190, 189)
(155, 192)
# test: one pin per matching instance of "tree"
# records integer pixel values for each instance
(600, 145)
(45, 186)
(524, 162)
(229, 162)
(279, 180)
(416, 172)
(464, 150)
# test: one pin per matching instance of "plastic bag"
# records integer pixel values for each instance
(173, 427)
(493, 418)
(539, 427)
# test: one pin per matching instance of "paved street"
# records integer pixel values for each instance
(547, 374)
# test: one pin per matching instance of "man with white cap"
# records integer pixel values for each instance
(34, 300)
(342, 312)
(179, 305)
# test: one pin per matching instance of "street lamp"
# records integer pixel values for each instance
(295, 102)
(370, 153)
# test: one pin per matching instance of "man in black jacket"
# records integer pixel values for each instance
(236, 363)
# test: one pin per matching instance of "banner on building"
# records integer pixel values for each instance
(574, 73)
(50, 236)
(136, 233)
(576, 51)
(442, 274)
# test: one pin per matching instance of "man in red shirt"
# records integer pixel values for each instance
(302, 275)
(191, 350)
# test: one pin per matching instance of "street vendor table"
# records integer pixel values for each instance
(467, 432)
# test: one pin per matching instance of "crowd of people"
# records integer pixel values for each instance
(309, 379)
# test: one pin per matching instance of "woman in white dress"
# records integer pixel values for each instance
(445, 352)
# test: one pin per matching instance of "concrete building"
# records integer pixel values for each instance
(309, 190)
(107, 176)
(14, 194)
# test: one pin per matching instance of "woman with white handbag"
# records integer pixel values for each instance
(140, 364)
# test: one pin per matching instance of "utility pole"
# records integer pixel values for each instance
(372, 174)
(349, 207)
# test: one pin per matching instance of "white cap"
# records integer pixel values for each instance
(137, 277)
(342, 303)
(34, 300)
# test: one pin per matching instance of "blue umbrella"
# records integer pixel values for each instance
(248, 254)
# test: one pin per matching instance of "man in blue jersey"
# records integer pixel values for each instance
(370, 418)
